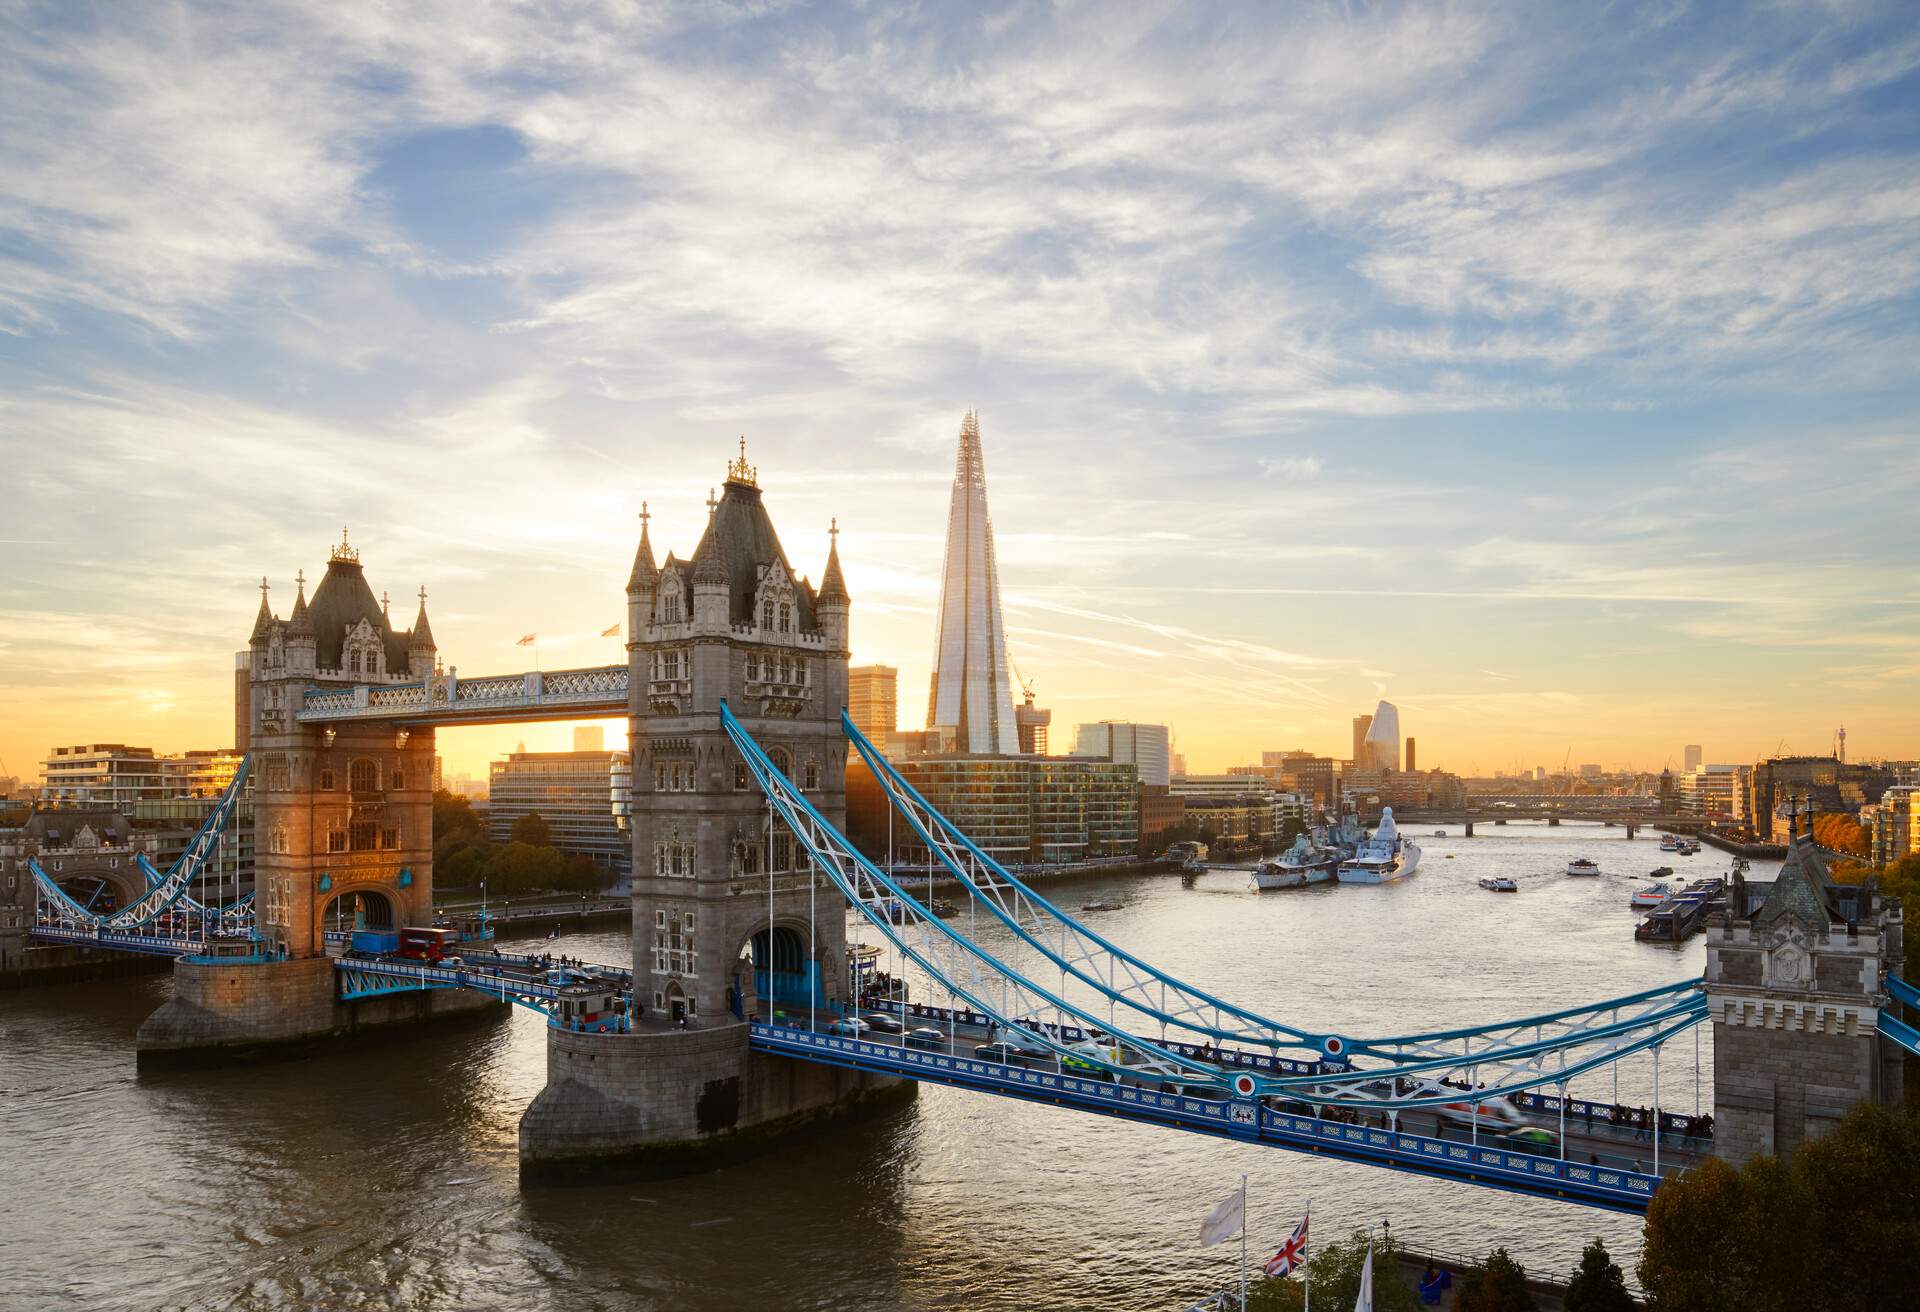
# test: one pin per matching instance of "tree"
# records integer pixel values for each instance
(1498, 1284)
(1599, 1285)
(1839, 1224)
(1336, 1279)
(523, 868)
(461, 869)
(531, 830)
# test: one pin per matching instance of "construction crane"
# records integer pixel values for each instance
(1026, 684)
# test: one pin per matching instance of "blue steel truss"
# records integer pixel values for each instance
(1897, 1030)
(1417, 1070)
(167, 915)
(592, 999)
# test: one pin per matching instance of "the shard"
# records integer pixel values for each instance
(971, 691)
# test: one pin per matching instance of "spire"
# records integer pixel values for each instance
(422, 635)
(263, 622)
(1800, 889)
(301, 621)
(344, 554)
(833, 585)
(971, 690)
(739, 471)
(644, 570)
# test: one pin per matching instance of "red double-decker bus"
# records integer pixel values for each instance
(427, 944)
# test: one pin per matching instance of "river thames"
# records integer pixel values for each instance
(386, 1177)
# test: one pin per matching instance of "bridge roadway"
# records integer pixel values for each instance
(1499, 1167)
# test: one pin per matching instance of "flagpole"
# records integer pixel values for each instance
(1243, 1241)
(1305, 1255)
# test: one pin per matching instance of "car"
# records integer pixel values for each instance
(1003, 1053)
(927, 1040)
(883, 1023)
(849, 1027)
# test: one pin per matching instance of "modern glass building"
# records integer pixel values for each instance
(1020, 810)
(583, 796)
(971, 689)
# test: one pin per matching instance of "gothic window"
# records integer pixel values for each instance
(363, 776)
(679, 779)
(353, 661)
(365, 834)
(659, 778)
(689, 922)
(766, 615)
(277, 842)
(786, 618)
(399, 777)
(278, 776)
(389, 839)
(326, 780)
(813, 774)
(336, 840)
(660, 919)
(692, 1008)
(670, 605)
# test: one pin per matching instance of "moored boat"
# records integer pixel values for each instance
(1581, 866)
(1384, 858)
(1499, 884)
(1670, 843)
(1651, 896)
(1270, 875)
(1306, 862)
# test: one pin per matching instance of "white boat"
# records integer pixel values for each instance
(1651, 896)
(1670, 844)
(1581, 866)
(1300, 865)
(1384, 858)
(1269, 875)
(1499, 884)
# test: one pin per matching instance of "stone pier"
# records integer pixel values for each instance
(234, 1013)
(666, 1102)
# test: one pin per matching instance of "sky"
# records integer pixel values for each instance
(1547, 369)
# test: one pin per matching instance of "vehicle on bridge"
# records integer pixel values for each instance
(419, 943)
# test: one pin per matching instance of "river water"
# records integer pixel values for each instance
(385, 1177)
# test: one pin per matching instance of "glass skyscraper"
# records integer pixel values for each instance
(971, 690)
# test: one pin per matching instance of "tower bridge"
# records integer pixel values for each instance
(733, 1025)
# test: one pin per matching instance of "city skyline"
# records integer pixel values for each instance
(1568, 414)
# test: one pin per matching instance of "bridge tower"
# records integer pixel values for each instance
(683, 1091)
(343, 814)
(343, 822)
(735, 623)
(1794, 990)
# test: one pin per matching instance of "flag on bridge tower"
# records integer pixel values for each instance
(612, 632)
(527, 641)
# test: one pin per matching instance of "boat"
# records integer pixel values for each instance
(1659, 872)
(1651, 896)
(1499, 884)
(1304, 863)
(1670, 843)
(1581, 866)
(1269, 875)
(1099, 906)
(1385, 858)
(1439, 833)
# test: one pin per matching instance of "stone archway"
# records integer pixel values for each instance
(339, 915)
(99, 887)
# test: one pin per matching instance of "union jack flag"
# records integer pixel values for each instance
(1291, 1254)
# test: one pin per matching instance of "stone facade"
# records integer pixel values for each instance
(81, 850)
(737, 623)
(1794, 991)
(342, 814)
(229, 1012)
(678, 1101)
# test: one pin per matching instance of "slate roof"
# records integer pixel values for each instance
(342, 600)
(739, 539)
(1801, 888)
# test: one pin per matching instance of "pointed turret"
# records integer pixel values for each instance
(420, 646)
(645, 572)
(301, 622)
(302, 645)
(833, 584)
(1800, 889)
(263, 622)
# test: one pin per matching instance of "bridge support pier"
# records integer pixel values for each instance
(1469, 833)
(664, 1102)
(235, 1013)
(1553, 822)
(1632, 830)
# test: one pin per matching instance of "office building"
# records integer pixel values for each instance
(971, 689)
(1715, 790)
(113, 776)
(1361, 725)
(1381, 746)
(1020, 810)
(1692, 757)
(1143, 746)
(1302, 772)
(873, 701)
(1411, 767)
(1033, 721)
(1239, 809)
(1831, 786)
(574, 792)
(1896, 824)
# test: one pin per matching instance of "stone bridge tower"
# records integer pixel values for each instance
(343, 814)
(734, 622)
(1794, 990)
